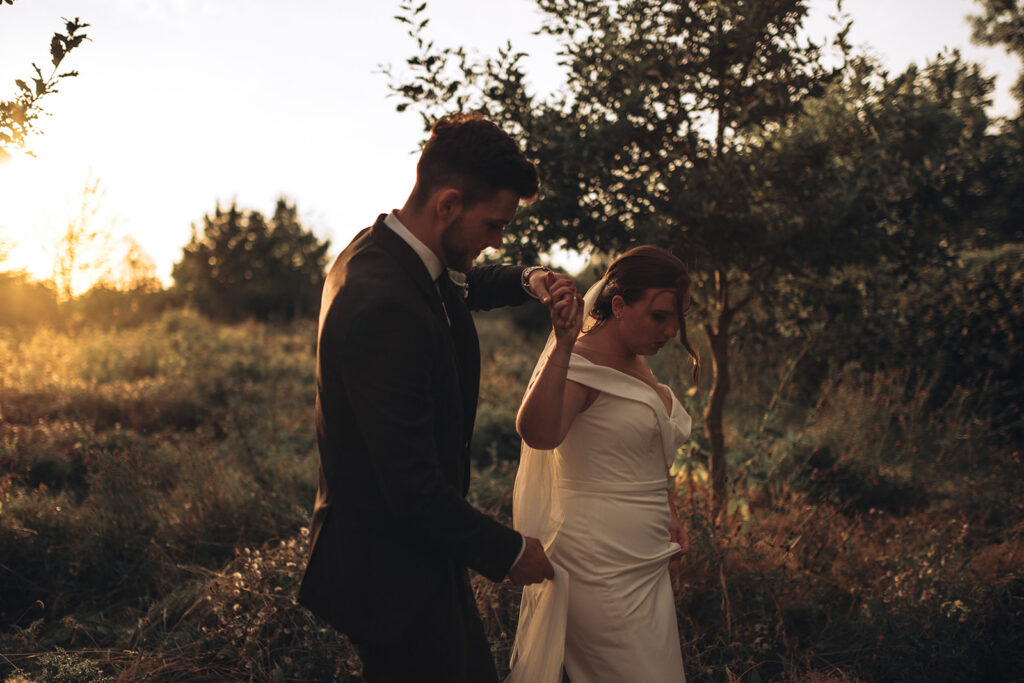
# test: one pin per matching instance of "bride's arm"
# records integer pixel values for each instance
(551, 401)
(550, 405)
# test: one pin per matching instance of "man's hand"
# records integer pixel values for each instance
(533, 566)
(541, 282)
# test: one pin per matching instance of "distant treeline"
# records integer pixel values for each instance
(239, 265)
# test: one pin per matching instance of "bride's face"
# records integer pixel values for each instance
(649, 322)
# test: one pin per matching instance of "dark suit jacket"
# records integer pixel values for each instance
(395, 404)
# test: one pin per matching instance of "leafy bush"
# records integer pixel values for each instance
(25, 303)
(959, 325)
(154, 484)
(124, 455)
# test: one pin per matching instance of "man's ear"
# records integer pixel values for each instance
(448, 204)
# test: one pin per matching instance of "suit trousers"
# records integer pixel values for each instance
(445, 643)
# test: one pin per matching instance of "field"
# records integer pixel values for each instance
(156, 481)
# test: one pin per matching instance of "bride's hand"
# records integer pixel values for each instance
(566, 310)
(677, 532)
(567, 319)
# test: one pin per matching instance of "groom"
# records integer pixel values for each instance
(398, 371)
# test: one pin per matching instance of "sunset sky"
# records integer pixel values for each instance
(184, 103)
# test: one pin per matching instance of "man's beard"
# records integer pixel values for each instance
(456, 255)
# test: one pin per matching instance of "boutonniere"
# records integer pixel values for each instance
(459, 280)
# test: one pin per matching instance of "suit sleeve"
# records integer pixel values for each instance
(494, 286)
(387, 362)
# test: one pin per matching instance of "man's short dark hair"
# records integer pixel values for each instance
(473, 155)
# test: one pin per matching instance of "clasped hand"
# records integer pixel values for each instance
(566, 307)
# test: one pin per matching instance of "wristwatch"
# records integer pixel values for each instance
(527, 272)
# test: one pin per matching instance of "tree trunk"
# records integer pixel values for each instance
(714, 426)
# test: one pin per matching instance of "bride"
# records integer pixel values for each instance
(599, 433)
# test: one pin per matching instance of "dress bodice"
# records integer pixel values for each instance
(625, 438)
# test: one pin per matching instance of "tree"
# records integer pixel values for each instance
(242, 265)
(18, 116)
(651, 139)
(137, 270)
(1002, 23)
(682, 123)
(80, 250)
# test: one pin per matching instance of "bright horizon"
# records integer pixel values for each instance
(184, 104)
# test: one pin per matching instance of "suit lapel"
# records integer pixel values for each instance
(409, 262)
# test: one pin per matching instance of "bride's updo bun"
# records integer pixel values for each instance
(642, 268)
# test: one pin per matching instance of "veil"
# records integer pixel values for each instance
(536, 509)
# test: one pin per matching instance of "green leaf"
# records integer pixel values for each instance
(57, 51)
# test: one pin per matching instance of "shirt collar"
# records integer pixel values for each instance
(429, 258)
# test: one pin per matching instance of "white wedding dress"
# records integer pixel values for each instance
(599, 505)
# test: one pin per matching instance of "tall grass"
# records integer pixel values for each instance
(155, 484)
(127, 456)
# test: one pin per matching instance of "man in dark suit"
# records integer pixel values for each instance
(398, 371)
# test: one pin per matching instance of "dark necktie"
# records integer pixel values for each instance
(466, 346)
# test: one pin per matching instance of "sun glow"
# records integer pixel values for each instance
(39, 200)
(23, 199)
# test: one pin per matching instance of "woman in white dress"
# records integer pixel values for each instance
(599, 433)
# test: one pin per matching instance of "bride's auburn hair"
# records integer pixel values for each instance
(642, 268)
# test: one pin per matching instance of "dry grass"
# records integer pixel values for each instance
(153, 487)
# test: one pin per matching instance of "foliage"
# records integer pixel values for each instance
(155, 483)
(18, 116)
(801, 590)
(646, 84)
(241, 621)
(65, 667)
(503, 383)
(242, 265)
(1002, 23)
(124, 454)
(713, 128)
(26, 303)
(106, 306)
(957, 326)
(998, 220)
